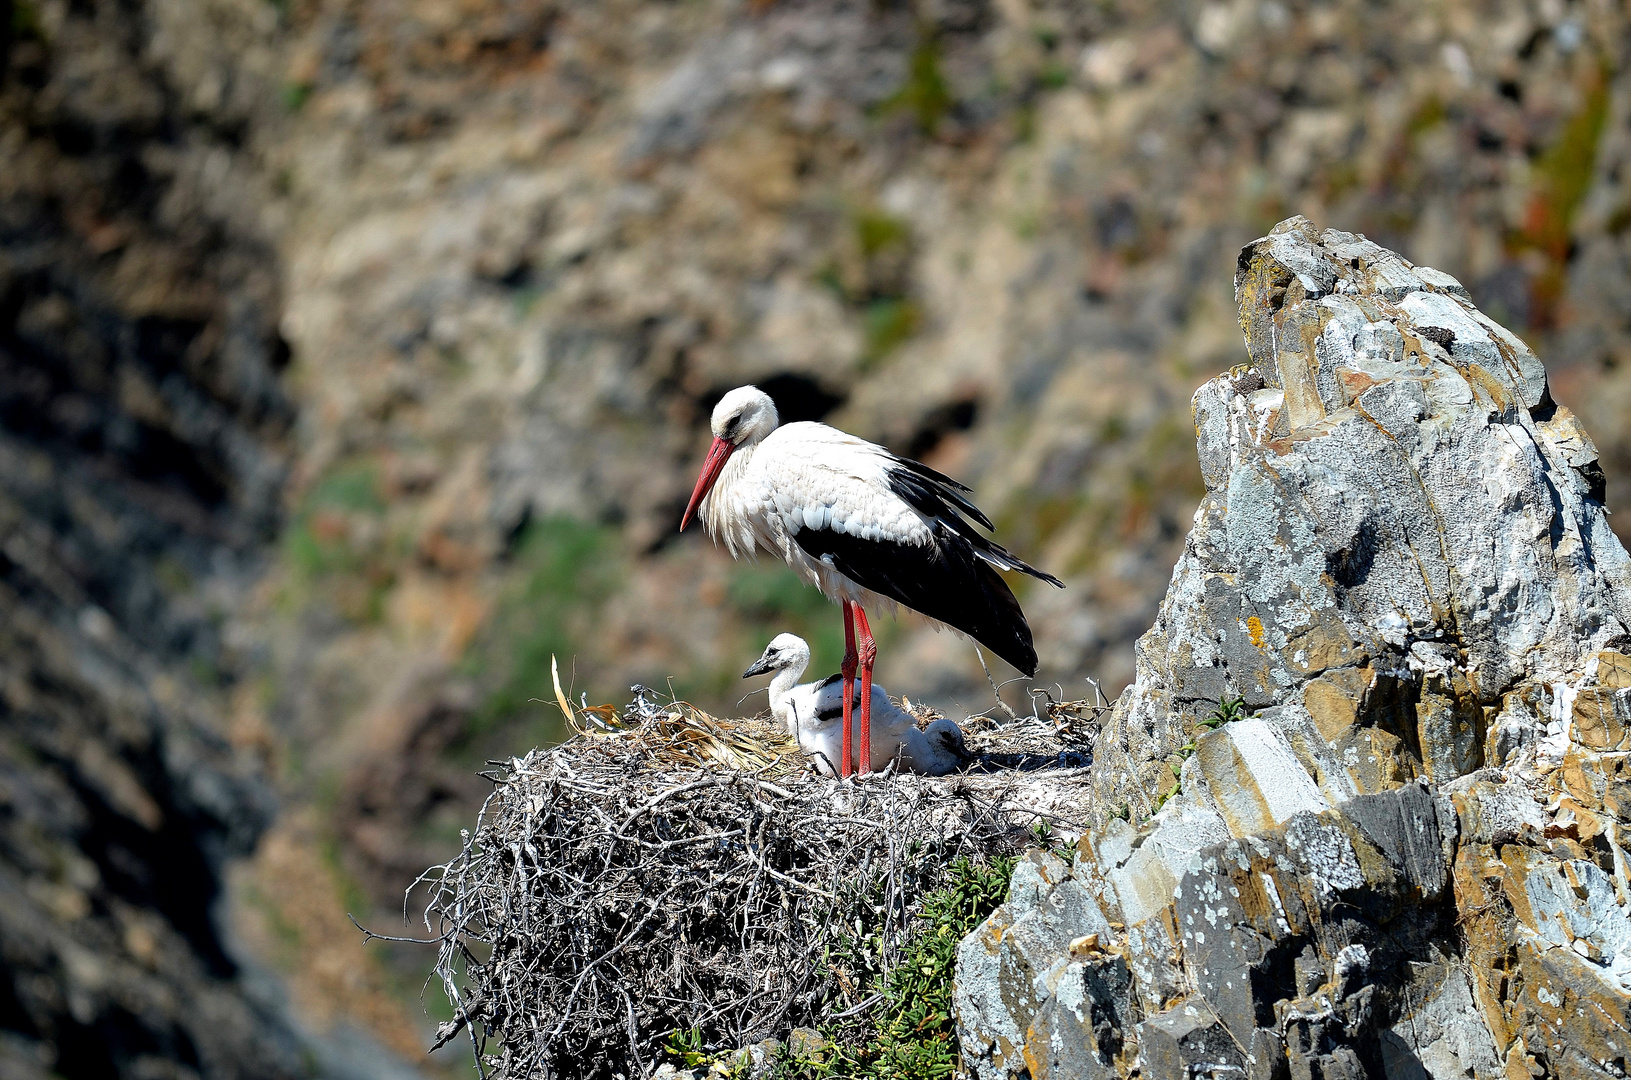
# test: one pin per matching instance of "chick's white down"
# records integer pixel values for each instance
(813, 714)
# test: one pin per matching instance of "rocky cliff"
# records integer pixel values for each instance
(418, 307)
(1360, 808)
(141, 461)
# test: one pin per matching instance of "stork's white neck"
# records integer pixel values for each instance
(784, 682)
(723, 513)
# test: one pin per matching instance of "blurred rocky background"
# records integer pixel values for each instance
(355, 358)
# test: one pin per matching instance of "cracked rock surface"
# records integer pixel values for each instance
(1404, 857)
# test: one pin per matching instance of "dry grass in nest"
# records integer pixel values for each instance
(668, 870)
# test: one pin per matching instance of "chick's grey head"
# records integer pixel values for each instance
(945, 734)
(785, 651)
(743, 416)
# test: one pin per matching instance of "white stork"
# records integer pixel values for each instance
(812, 713)
(867, 528)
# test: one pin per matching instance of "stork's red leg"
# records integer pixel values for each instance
(869, 653)
(848, 669)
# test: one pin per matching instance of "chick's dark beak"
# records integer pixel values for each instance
(760, 666)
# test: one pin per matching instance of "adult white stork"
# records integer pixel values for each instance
(869, 529)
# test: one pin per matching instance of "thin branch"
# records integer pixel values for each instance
(1001, 704)
(369, 935)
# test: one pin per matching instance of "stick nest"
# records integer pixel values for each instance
(665, 870)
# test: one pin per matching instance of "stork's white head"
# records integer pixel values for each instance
(785, 651)
(742, 418)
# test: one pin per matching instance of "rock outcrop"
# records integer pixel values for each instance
(1399, 852)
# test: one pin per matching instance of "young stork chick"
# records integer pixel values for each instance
(868, 528)
(814, 713)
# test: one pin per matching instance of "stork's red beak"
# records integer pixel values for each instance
(711, 468)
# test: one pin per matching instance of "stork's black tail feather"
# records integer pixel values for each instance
(1000, 626)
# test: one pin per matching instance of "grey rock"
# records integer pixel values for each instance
(1079, 1031)
(1404, 825)
(1434, 1039)
(1187, 1041)
(1403, 568)
(1348, 521)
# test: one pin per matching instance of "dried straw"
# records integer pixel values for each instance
(665, 869)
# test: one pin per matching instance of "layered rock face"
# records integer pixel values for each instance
(141, 424)
(1399, 853)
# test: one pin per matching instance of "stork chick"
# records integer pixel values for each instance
(814, 713)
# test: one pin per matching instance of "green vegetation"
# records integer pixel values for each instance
(1562, 176)
(925, 94)
(294, 95)
(879, 233)
(917, 1036)
(1428, 115)
(337, 539)
(1228, 711)
(887, 324)
(1619, 221)
(25, 22)
(1564, 171)
(1053, 75)
(872, 278)
(1046, 841)
(771, 600)
(684, 1048)
(911, 1035)
(565, 569)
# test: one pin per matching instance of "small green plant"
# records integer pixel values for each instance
(925, 94)
(1175, 765)
(1053, 76)
(877, 233)
(918, 1037)
(337, 545)
(1045, 840)
(25, 22)
(294, 95)
(1228, 711)
(887, 324)
(684, 1048)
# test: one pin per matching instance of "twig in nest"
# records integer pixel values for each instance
(1001, 704)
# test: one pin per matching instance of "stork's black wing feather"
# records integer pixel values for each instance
(945, 580)
(924, 487)
(928, 492)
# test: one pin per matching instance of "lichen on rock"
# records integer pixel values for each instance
(1406, 859)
